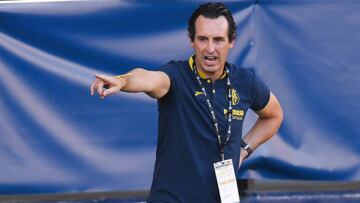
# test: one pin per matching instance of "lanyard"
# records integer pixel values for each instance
(212, 112)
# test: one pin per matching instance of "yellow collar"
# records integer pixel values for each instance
(201, 74)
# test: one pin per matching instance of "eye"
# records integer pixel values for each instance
(219, 39)
(202, 39)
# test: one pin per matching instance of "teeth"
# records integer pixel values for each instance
(211, 58)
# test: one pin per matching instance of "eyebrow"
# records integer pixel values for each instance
(219, 38)
(216, 38)
(201, 36)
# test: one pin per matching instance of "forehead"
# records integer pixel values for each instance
(211, 27)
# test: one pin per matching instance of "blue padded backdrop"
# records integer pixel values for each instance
(55, 137)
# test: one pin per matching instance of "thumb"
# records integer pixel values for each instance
(111, 90)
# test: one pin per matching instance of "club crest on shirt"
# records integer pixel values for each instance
(234, 97)
(237, 114)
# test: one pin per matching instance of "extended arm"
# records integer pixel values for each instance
(154, 83)
(270, 118)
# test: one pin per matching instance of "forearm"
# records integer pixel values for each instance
(136, 81)
(153, 83)
(262, 131)
(267, 124)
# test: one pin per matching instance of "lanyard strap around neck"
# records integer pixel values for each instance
(212, 112)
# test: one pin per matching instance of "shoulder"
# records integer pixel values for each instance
(245, 79)
(178, 73)
(242, 74)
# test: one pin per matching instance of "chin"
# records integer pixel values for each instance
(211, 69)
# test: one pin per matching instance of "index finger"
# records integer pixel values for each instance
(104, 78)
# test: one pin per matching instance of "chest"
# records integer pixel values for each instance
(217, 93)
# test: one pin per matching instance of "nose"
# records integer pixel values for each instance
(210, 48)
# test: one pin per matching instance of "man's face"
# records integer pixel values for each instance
(211, 45)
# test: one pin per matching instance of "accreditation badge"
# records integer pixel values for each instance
(225, 176)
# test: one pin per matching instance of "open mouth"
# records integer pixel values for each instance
(210, 59)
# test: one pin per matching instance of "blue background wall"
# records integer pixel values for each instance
(55, 137)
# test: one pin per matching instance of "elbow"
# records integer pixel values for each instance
(273, 112)
(280, 117)
(277, 113)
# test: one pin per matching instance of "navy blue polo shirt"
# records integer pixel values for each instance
(187, 145)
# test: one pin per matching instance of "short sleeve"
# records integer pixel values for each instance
(260, 92)
(170, 69)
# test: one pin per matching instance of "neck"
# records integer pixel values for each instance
(212, 75)
(216, 75)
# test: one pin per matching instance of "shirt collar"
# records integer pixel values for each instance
(201, 74)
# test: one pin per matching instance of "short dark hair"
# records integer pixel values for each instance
(212, 11)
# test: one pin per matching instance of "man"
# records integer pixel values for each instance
(202, 103)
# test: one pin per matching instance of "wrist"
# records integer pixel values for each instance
(123, 78)
(247, 148)
(123, 82)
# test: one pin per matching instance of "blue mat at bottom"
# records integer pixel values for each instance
(268, 197)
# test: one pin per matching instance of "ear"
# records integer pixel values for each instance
(191, 43)
(231, 44)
